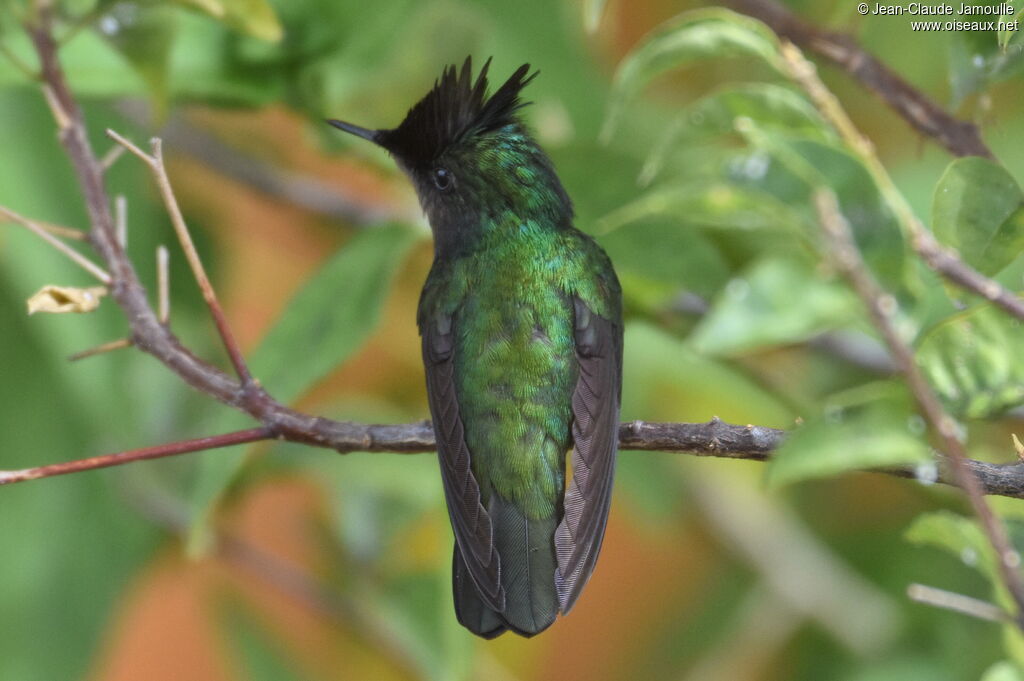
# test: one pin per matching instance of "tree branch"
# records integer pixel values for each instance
(943, 260)
(144, 454)
(150, 333)
(155, 162)
(882, 308)
(715, 438)
(961, 138)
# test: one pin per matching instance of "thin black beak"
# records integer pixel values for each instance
(371, 135)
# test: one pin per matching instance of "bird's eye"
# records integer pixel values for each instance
(443, 180)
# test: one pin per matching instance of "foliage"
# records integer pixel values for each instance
(699, 186)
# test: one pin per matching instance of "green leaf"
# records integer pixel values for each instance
(874, 227)
(964, 539)
(871, 436)
(959, 536)
(1003, 671)
(756, 310)
(709, 204)
(969, 359)
(252, 17)
(976, 209)
(767, 104)
(685, 260)
(144, 35)
(701, 34)
(970, 65)
(94, 67)
(980, 58)
(205, 67)
(802, 165)
(1010, 30)
(333, 314)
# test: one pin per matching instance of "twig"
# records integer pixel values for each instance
(146, 453)
(715, 438)
(882, 308)
(17, 62)
(121, 220)
(155, 162)
(948, 600)
(56, 230)
(44, 234)
(110, 158)
(101, 349)
(163, 284)
(60, 114)
(961, 138)
(944, 261)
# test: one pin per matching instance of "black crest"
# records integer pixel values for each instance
(455, 109)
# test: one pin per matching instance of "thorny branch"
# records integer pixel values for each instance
(882, 309)
(961, 138)
(150, 332)
(155, 161)
(941, 259)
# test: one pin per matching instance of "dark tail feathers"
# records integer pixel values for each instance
(527, 553)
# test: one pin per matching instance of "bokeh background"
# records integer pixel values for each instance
(279, 562)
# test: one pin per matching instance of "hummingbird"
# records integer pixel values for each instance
(521, 326)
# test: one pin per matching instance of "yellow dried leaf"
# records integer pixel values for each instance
(58, 299)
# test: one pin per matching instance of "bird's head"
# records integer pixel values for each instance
(470, 158)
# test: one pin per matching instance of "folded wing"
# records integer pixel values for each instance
(595, 408)
(472, 525)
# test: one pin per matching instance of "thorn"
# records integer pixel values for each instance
(163, 284)
(1019, 446)
(948, 600)
(101, 349)
(636, 426)
(56, 230)
(121, 220)
(110, 158)
(79, 259)
(130, 146)
(59, 114)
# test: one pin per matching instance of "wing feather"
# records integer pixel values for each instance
(595, 408)
(474, 534)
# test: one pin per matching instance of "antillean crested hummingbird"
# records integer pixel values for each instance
(521, 325)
